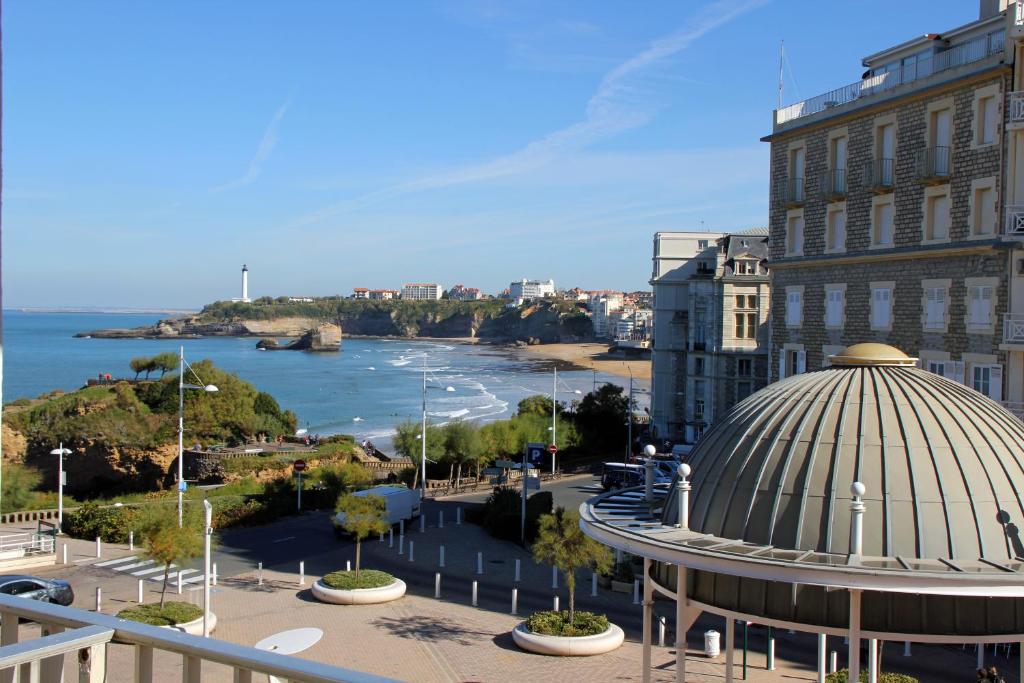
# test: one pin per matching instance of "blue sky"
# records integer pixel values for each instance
(150, 148)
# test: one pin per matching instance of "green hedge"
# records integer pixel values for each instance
(550, 623)
(368, 578)
(172, 613)
(843, 675)
(110, 523)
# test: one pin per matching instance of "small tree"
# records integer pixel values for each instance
(563, 544)
(139, 365)
(163, 541)
(364, 515)
(165, 362)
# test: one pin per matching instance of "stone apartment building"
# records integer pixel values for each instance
(886, 220)
(710, 347)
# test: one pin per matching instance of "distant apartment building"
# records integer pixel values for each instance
(463, 293)
(602, 307)
(422, 291)
(526, 290)
(383, 294)
(300, 299)
(360, 293)
(710, 348)
(887, 205)
(639, 299)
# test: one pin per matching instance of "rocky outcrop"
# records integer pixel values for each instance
(93, 467)
(324, 337)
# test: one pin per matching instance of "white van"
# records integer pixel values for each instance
(401, 504)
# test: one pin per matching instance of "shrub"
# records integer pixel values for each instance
(550, 623)
(231, 512)
(19, 483)
(503, 512)
(170, 614)
(842, 676)
(112, 524)
(367, 578)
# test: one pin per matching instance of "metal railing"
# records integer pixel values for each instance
(933, 163)
(793, 191)
(26, 544)
(879, 174)
(1016, 113)
(90, 634)
(1015, 220)
(833, 183)
(1013, 328)
(926, 65)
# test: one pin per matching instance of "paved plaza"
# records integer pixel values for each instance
(420, 638)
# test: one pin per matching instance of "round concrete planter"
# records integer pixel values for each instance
(359, 596)
(195, 627)
(565, 646)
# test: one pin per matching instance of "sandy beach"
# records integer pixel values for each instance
(594, 357)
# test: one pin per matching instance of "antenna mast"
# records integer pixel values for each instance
(782, 56)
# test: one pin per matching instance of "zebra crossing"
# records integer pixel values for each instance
(150, 570)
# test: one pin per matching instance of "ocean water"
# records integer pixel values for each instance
(364, 390)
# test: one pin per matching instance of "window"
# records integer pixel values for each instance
(935, 308)
(792, 362)
(986, 115)
(698, 366)
(882, 221)
(698, 400)
(941, 132)
(936, 214)
(835, 305)
(936, 159)
(794, 306)
(885, 153)
(702, 245)
(937, 366)
(746, 301)
(743, 389)
(836, 233)
(881, 306)
(795, 234)
(979, 307)
(744, 267)
(746, 325)
(796, 170)
(744, 243)
(983, 207)
(836, 179)
(988, 379)
(744, 367)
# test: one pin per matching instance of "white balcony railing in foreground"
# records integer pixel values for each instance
(89, 635)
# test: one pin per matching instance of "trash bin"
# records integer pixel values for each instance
(711, 639)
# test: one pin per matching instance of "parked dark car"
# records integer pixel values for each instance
(616, 475)
(32, 587)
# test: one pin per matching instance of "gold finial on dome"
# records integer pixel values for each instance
(871, 353)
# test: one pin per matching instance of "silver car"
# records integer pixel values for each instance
(34, 588)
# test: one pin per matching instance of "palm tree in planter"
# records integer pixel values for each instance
(561, 543)
(364, 515)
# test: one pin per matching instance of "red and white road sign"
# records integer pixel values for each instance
(299, 465)
(552, 448)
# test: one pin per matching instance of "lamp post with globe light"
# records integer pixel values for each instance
(60, 453)
(554, 416)
(182, 386)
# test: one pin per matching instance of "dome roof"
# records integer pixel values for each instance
(943, 465)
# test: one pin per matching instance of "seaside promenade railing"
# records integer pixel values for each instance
(66, 630)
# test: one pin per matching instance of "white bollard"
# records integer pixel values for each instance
(391, 537)
(131, 540)
(593, 584)
(141, 592)
(382, 537)
(401, 527)
(906, 648)
(554, 604)
(474, 593)
(440, 519)
(515, 600)
(636, 591)
(441, 562)
(423, 524)
(302, 573)
(479, 563)
(411, 556)
(554, 578)
(259, 574)
(458, 515)
(99, 594)
(348, 565)
(437, 585)
(661, 631)
(833, 662)
(517, 572)
(401, 544)
(99, 549)
(214, 576)
(64, 554)
(179, 581)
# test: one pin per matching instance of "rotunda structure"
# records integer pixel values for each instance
(870, 499)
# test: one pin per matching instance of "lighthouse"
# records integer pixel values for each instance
(245, 285)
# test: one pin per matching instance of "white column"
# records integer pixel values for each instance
(730, 648)
(872, 660)
(854, 654)
(647, 615)
(822, 656)
(680, 624)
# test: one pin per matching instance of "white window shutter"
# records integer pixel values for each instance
(801, 362)
(957, 369)
(995, 384)
(985, 304)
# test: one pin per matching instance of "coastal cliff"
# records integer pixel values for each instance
(542, 322)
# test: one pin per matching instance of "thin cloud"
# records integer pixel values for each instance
(620, 103)
(263, 152)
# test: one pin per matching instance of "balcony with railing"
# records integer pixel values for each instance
(833, 184)
(879, 175)
(1013, 328)
(926, 65)
(1015, 116)
(1014, 220)
(90, 636)
(793, 191)
(933, 164)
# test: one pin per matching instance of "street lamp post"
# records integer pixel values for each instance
(423, 433)
(207, 533)
(629, 419)
(60, 453)
(554, 419)
(182, 386)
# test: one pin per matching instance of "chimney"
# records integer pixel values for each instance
(990, 8)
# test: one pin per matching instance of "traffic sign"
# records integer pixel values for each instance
(552, 449)
(533, 483)
(535, 453)
(493, 471)
(182, 486)
(299, 465)
(505, 464)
